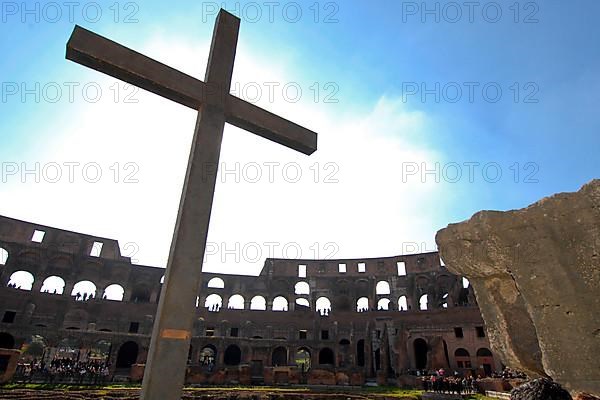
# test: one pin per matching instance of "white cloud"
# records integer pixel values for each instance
(369, 212)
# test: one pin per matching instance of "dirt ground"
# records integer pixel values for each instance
(201, 394)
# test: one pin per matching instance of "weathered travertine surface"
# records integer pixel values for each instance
(536, 275)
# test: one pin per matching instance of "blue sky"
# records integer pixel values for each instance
(373, 58)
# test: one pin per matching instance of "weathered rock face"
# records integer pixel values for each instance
(536, 275)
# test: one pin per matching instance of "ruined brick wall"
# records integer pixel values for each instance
(392, 335)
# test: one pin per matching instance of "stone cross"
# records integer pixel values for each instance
(167, 357)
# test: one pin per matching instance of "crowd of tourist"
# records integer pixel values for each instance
(439, 382)
(508, 373)
(64, 370)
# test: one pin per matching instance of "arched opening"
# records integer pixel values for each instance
(302, 288)
(213, 302)
(360, 353)
(383, 304)
(382, 288)
(100, 351)
(3, 256)
(67, 348)
(279, 357)
(423, 302)
(258, 303)
(21, 280)
(445, 300)
(326, 356)
(114, 292)
(420, 347)
(303, 303)
(84, 290)
(140, 295)
(323, 305)
(208, 355)
(463, 358)
(7, 341)
(216, 283)
(127, 355)
(303, 359)
(236, 302)
(483, 352)
(33, 348)
(402, 303)
(53, 284)
(233, 355)
(280, 303)
(485, 360)
(362, 304)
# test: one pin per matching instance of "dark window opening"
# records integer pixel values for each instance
(480, 331)
(360, 353)
(279, 357)
(210, 331)
(302, 334)
(326, 356)
(127, 355)
(234, 332)
(9, 317)
(134, 327)
(458, 332)
(324, 335)
(4, 359)
(7, 341)
(420, 347)
(233, 355)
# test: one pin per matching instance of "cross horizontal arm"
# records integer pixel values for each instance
(247, 116)
(104, 55)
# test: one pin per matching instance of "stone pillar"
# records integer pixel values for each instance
(154, 296)
(37, 285)
(68, 288)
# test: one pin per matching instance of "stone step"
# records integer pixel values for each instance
(497, 395)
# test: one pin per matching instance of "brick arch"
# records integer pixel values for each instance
(26, 274)
(141, 292)
(279, 296)
(61, 261)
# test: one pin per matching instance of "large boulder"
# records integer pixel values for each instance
(540, 389)
(536, 276)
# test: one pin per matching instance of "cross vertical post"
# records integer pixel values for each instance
(164, 374)
(172, 332)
